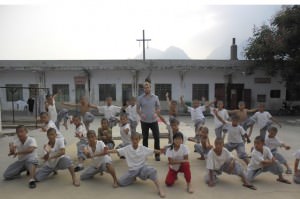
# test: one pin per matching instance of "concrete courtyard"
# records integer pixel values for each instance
(228, 187)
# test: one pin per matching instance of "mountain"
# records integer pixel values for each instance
(170, 53)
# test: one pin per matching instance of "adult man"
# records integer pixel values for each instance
(148, 108)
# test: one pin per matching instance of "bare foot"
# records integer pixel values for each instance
(201, 158)
(76, 183)
(115, 185)
(189, 189)
(161, 194)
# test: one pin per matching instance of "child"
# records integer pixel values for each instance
(63, 114)
(173, 129)
(262, 160)
(132, 114)
(84, 107)
(196, 113)
(223, 113)
(173, 110)
(297, 168)
(136, 160)
(110, 112)
(97, 151)
(80, 133)
(44, 117)
(178, 159)
(55, 158)
(244, 120)
(124, 131)
(219, 160)
(105, 134)
(50, 107)
(263, 119)
(273, 143)
(25, 148)
(203, 145)
(235, 137)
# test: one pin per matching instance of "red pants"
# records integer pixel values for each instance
(172, 175)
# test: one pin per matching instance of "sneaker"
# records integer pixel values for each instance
(32, 184)
(78, 168)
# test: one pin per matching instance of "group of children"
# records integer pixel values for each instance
(98, 147)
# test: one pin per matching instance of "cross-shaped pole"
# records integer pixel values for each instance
(143, 40)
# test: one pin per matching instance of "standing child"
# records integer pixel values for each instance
(98, 152)
(110, 112)
(223, 113)
(196, 113)
(263, 119)
(55, 158)
(177, 155)
(262, 160)
(173, 110)
(244, 119)
(50, 107)
(203, 145)
(235, 137)
(219, 160)
(80, 133)
(297, 167)
(105, 134)
(124, 131)
(272, 141)
(136, 156)
(25, 148)
(132, 114)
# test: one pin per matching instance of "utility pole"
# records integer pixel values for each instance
(143, 40)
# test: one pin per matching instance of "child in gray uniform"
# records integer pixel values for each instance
(55, 158)
(297, 167)
(25, 148)
(219, 160)
(262, 160)
(136, 160)
(101, 161)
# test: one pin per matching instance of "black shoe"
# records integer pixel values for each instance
(32, 184)
(122, 157)
(78, 168)
(54, 172)
(157, 158)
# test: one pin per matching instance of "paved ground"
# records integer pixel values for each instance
(101, 186)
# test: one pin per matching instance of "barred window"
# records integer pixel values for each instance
(275, 93)
(162, 89)
(199, 91)
(107, 90)
(33, 91)
(141, 89)
(14, 93)
(261, 98)
(63, 90)
(126, 92)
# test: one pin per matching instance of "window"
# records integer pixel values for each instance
(63, 90)
(199, 91)
(262, 80)
(126, 92)
(32, 90)
(261, 98)
(107, 90)
(141, 89)
(275, 93)
(14, 93)
(162, 89)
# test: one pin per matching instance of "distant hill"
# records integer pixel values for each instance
(170, 53)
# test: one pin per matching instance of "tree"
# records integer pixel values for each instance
(275, 48)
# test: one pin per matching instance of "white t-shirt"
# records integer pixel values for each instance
(272, 143)
(59, 144)
(29, 142)
(262, 118)
(126, 138)
(235, 133)
(135, 158)
(52, 112)
(81, 131)
(109, 111)
(51, 124)
(177, 155)
(98, 160)
(132, 113)
(215, 162)
(257, 157)
(222, 113)
(196, 113)
(297, 156)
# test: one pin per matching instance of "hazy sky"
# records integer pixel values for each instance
(109, 29)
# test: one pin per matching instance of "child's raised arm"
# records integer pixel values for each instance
(215, 111)
(168, 99)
